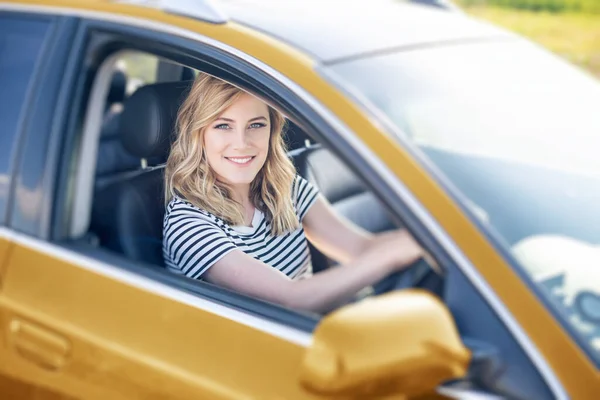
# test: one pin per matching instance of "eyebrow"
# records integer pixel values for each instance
(231, 120)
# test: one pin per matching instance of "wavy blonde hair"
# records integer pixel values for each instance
(188, 174)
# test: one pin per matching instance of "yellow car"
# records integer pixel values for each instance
(481, 144)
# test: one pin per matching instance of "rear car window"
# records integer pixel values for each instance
(21, 43)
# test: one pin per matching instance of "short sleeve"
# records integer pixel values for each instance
(192, 244)
(305, 195)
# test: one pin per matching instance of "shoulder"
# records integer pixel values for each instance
(299, 181)
(189, 227)
(301, 185)
(304, 195)
(180, 209)
(193, 239)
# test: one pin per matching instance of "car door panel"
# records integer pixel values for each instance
(4, 251)
(97, 336)
(74, 326)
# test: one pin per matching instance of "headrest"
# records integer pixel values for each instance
(333, 178)
(118, 84)
(187, 74)
(294, 136)
(148, 119)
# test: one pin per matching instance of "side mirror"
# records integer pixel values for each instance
(403, 342)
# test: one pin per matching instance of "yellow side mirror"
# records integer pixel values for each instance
(399, 343)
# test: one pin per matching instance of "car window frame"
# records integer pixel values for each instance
(210, 59)
(304, 322)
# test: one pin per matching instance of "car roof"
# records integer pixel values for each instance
(331, 30)
(328, 31)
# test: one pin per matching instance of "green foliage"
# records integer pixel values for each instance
(574, 36)
(585, 6)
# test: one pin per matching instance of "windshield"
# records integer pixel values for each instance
(517, 131)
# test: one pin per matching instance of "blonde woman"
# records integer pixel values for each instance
(238, 215)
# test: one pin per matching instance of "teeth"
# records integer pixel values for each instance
(240, 160)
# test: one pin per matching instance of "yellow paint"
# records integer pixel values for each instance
(13, 389)
(4, 253)
(126, 343)
(402, 342)
(575, 371)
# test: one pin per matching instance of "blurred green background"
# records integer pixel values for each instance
(569, 28)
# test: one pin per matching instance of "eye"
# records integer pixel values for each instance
(257, 125)
(221, 126)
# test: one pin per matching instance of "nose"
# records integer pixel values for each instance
(240, 140)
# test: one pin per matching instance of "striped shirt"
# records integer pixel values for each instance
(194, 239)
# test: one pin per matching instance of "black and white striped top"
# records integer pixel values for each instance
(194, 239)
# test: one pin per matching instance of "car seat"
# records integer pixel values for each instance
(128, 212)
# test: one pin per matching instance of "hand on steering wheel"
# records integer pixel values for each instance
(407, 260)
(403, 279)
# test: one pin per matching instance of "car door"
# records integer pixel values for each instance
(80, 322)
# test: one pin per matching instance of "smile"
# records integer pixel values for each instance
(241, 160)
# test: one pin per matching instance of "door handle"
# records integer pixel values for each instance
(39, 345)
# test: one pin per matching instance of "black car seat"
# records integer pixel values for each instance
(294, 137)
(117, 89)
(344, 190)
(113, 159)
(187, 74)
(127, 213)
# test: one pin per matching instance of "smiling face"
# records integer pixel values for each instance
(236, 144)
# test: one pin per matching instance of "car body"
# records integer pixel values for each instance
(81, 322)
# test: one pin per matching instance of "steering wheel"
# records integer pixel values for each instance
(404, 279)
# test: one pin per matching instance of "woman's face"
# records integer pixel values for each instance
(236, 144)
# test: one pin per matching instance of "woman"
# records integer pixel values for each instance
(238, 215)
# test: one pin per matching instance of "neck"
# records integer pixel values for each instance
(241, 194)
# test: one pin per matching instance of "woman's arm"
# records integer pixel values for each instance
(241, 272)
(336, 236)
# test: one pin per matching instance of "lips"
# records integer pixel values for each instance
(240, 160)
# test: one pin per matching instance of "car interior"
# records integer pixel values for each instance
(128, 206)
